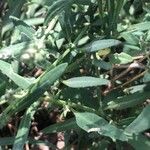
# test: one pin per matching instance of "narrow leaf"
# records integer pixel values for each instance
(36, 91)
(140, 26)
(14, 50)
(23, 27)
(7, 69)
(140, 142)
(14, 9)
(128, 101)
(7, 141)
(52, 75)
(102, 64)
(121, 58)
(55, 8)
(24, 127)
(141, 123)
(130, 38)
(21, 104)
(85, 81)
(99, 45)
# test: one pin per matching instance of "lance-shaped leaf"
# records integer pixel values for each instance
(14, 50)
(24, 127)
(55, 8)
(23, 27)
(91, 122)
(121, 58)
(14, 9)
(22, 103)
(52, 75)
(6, 141)
(128, 101)
(7, 69)
(140, 26)
(141, 123)
(85, 81)
(139, 142)
(36, 91)
(99, 44)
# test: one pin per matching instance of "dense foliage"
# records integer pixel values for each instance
(75, 69)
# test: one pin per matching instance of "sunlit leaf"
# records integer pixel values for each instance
(93, 123)
(55, 8)
(23, 27)
(128, 101)
(7, 69)
(99, 45)
(85, 81)
(121, 58)
(36, 91)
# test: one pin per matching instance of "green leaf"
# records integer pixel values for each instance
(132, 49)
(99, 44)
(141, 123)
(55, 8)
(121, 58)
(24, 127)
(140, 26)
(137, 88)
(52, 75)
(23, 27)
(130, 38)
(31, 21)
(7, 141)
(88, 121)
(85, 81)
(128, 101)
(37, 89)
(66, 23)
(22, 103)
(82, 96)
(59, 127)
(14, 50)
(83, 2)
(102, 64)
(140, 142)
(91, 122)
(7, 69)
(14, 10)
(146, 77)
(3, 86)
